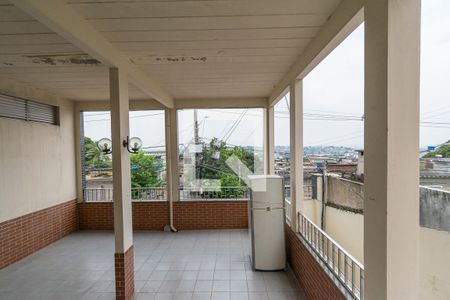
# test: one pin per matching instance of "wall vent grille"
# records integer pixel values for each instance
(23, 109)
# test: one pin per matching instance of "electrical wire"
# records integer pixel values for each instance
(132, 117)
(233, 127)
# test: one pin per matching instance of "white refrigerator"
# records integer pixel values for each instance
(266, 223)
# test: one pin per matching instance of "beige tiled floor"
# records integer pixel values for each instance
(186, 265)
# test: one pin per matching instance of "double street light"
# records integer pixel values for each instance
(132, 145)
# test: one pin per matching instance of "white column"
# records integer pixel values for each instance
(79, 124)
(296, 148)
(391, 204)
(269, 142)
(172, 172)
(121, 160)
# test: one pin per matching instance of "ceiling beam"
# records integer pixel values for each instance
(221, 103)
(62, 19)
(346, 18)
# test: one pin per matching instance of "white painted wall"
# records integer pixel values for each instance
(347, 229)
(434, 254)
(434, 257)
(37, 161)
(312, 209)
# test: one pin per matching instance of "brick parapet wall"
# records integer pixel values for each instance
(155, 215)
(316, 284)
(124, 274)
(98, 216)
(26, 234)
(211, 215)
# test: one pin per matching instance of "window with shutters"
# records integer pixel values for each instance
(23, 109)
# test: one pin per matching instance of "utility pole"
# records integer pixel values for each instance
(197, 143)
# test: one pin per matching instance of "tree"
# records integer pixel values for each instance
(212, 164)
(214, 157)
(145, 170)
(93, 156)
(443, 150)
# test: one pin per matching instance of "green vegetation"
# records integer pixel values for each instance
(212, 164)
(145, 170)
(93, 156)
(443, 150)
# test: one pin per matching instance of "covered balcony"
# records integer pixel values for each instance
(71, 230)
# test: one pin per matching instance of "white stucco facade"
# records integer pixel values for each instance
(37, 160)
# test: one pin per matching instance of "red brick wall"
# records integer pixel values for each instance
(310, 275)
(98, 216)
(24, 235)
(124, 274)
(150, 216)
(211, 215)
(155, 215)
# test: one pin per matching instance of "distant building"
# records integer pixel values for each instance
(360, 166)
(435, 172)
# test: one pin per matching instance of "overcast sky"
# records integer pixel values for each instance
(334, 87)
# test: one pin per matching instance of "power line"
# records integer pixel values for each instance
(132, 117)
(431, 112)
(433, 116)
(340, 140)
(436, 123)
(287, 103)
(435, 126)
(233, 127)
(254, 114)
(337, 137)
(333, 112)
(237, 124)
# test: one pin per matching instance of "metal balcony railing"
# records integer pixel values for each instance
(215, 193)
(137, 194)
(345, 268)
(307, 191)
(159, 193)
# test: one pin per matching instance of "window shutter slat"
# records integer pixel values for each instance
(12, 108)
(23, 109)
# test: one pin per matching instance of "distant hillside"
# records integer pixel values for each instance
(328, 150)
(320, 150)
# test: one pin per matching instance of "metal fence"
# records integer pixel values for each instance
(215, 193)
(346, 269)
(307, 191)
(137, 194)
(186, 193)
(159, 193)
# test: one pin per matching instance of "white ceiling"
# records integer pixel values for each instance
(194, 49)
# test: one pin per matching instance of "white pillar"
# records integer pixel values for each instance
(120, 159)
(79, 134)
(391, 204)
(269, 142)
(172, 172)
(296, 148)
(124, 269)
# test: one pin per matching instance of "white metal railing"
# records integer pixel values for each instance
(288, 210)
(159, 193)
(345, 268)
(137, 194)
(215, 193)
(307, 191)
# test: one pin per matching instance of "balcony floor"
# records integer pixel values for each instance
(185, 265)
